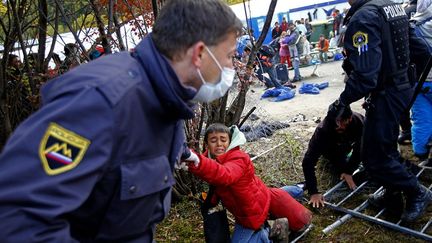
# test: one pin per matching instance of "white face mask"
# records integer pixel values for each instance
(208, 91)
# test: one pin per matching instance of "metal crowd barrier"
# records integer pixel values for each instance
(357, 211)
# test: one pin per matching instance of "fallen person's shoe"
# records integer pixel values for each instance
(416, 204)
(279, 230)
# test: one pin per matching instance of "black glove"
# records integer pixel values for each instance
(336, 109)
(186, 153)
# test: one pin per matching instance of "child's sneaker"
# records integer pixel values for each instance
(279, 230)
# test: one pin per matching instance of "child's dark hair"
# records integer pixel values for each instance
(216, 127)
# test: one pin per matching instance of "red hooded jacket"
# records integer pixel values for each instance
(240, 190)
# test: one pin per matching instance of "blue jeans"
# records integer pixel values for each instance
(243, 235)
(295, 191)
(272, 82)
(296, 61)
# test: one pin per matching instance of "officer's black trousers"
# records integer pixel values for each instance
(379, 143)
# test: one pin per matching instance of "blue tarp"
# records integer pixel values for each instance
(280, 94)
(312, 88)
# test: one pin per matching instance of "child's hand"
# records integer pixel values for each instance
(181, 165)
(193, 158)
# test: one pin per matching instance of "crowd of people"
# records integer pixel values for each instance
(96, 162)
(291, 46)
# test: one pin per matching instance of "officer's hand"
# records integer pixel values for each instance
(336, 109)
(349, 180)
(317, 200)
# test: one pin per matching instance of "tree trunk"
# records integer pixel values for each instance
(17, 17)
(43, 24)
(54, 39)
(110, 19)
(118, 33)
(101, 27)
(62, 12)
(237, 107)
(155, 8)
(6, 127)
(141, 31)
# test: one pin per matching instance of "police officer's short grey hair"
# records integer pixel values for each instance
(182, 23)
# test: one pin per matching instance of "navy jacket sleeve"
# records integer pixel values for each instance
(50, 165)
(366, 63)
(313, 153)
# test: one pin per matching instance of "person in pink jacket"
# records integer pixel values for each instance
(225, 166)
(284, 52)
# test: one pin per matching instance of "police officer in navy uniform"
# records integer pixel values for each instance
(95, 163)
(376, 44)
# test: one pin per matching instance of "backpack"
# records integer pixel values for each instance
(267, 50)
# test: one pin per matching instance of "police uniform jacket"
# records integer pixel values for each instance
(377, 49)
(95, 163)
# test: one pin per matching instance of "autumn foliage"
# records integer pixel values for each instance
(130, 8)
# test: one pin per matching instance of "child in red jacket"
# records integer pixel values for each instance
(242, 193)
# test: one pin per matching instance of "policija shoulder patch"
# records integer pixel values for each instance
(61, 150)
(360, 41)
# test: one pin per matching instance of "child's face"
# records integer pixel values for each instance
(217, 143)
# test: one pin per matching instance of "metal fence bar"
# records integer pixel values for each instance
(426, 226)
(375, 219)
(380, 213)
(390, 225)
(267, 151)
(347, 217)
(309, 228)
(333, 189)
(352, 193)
(338, 185)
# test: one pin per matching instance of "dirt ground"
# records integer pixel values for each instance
(307, 104)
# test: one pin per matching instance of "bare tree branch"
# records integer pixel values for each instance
(101, 27)
(54, 39)
(60, 7)
(43, 25)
